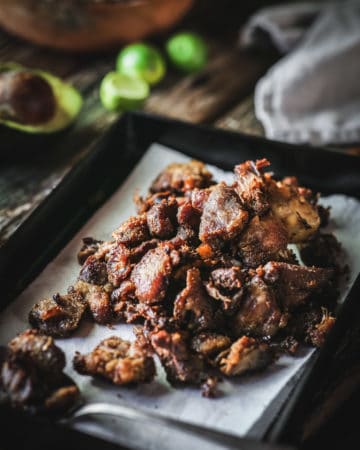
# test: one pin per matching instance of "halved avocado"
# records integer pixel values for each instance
(68, 103)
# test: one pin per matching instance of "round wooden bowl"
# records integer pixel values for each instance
(78, 25)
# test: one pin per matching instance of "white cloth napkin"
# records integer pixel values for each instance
(312, 95)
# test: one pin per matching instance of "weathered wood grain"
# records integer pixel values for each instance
(203, 97)
(242, 119)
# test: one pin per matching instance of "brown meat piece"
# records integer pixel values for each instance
(133, 231)
(250, 186)
(228, 278)
(118, 264)
(311, 325)
(98, 300)
(161, 219)
(245, 355)
(295, 284)
(39, 350)
(323, 250)
(226, 285)
(210, 344)
(181, 177)
(58, 316)
(31, 376)
(259, 314)
(192, 306)
(319, 332)
(199, 197)
(263, 240)
(117, 360)
(94, 271)
(138, 252)
(151, 276)
(180, 364)
(189, 216)
(299, 216)
(209, 388)
(223, 217)
(89, 247)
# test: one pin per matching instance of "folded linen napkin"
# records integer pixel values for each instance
(313, 93)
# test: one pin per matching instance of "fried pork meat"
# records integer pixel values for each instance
(206, 270)
(31, 375)
(118, 361)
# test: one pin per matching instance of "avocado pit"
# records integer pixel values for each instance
(26, 98)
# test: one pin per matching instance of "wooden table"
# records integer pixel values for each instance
(220, 95)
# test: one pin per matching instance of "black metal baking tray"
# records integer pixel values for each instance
(96, 177)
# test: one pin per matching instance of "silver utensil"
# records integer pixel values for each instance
(141, 416)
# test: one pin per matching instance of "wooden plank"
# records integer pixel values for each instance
(242, 119)
(25, 184)
(203, 97)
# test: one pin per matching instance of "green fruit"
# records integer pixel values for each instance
(64, 103)
(141, 61)
(187, 51)
(119, 92)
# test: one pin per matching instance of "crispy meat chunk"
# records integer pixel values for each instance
(295, 284)
(245, 355)
(210, 344)
(117, 360)
(228, 278)
(192, 306)
(181, 177)
(180, 363)
(133, 231)
(189, 216)
(226, 285)
(209, 388)
(311, 325)
(94, 271)
(31, 376)
(250, 186)
(58, 316)
(322, 250)
(299, 216)
(98, 300)
(223, 216)
(89, 247)
(118, 265)
(259, 313)
(317, 334)
(199, 197)
(39, 350)
(151, 276)
(161, 219)
(262, 241)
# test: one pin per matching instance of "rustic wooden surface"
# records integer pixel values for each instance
(220, 95)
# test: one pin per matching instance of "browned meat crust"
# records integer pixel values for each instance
(259, 313)
(206, 271)
(295, 284)
(223, 217)
(181, 365)
(90, 246)
(31, 375)
(58, 316)
(180, 177)
(250, 186)
(117, 360)
(245, 355)
(263, 240)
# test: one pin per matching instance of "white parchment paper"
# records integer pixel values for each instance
(244, 400)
